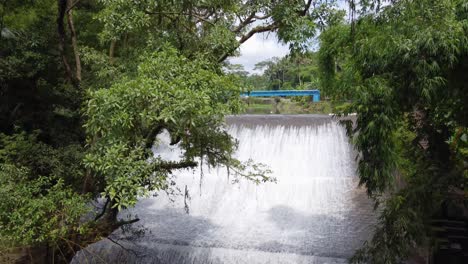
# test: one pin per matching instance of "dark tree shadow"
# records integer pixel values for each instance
(174, 227)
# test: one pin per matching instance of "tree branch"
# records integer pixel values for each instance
(243, 24)
(103, 210)
(262, 17)
(244, 38)
(152, 136)
(174, 165)
(259, 29)
(306, 8)
(70, 7)
(175, 140)
(125, 222)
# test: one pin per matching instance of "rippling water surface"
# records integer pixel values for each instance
(313, 214)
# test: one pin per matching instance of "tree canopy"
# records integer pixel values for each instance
(295, 71)
(87, 85)
(404, 68)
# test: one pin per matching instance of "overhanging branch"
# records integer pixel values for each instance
(244, 38)
(306, 8)
(126, 222)
(244, 23)
(175, 165)
(103, 210)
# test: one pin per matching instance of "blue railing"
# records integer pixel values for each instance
(314, 93)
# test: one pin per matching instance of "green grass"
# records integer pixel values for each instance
(259, 109)
(291, 106)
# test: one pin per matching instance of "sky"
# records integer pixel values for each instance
(264, 46)
(258, 48)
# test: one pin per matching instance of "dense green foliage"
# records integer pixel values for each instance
(41, 139)
(191, 107)
(405, 69)
(297, 71)
(42, 210)
(85, 88)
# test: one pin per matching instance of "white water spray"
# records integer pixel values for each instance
(313, 214)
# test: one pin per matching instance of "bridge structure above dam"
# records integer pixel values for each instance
(315, 94)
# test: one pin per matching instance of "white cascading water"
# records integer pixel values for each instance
(313, 214)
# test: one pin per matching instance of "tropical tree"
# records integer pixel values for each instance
(290, 72)
(86, 86)
(404, 67)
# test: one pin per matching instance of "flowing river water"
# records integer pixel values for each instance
(314, 213)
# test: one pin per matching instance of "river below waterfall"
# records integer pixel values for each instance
(314, 213)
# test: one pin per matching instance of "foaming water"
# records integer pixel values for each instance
(313, 214)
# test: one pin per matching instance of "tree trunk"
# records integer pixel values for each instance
(112, 51)
(74, 41)
(62, 6)
(125, 42)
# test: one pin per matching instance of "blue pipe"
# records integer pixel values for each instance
(314, 93)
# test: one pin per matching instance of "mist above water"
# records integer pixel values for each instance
(313, 214)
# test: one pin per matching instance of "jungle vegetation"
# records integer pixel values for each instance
(295, 71)
(87, 85)
(403, 66)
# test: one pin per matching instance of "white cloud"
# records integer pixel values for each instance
(258, 48)
(264, 46)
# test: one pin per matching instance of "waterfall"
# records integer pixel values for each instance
(314, 213)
